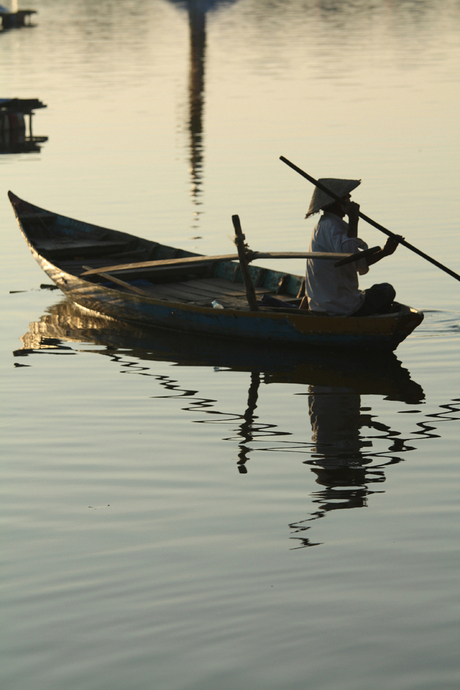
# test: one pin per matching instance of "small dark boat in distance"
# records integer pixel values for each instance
(171, 288)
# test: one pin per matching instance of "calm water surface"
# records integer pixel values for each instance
(178, 514)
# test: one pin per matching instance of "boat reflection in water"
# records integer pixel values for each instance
(67, 322)
(344, 457)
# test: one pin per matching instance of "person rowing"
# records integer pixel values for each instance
(334, 291)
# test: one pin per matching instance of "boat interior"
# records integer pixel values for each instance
(78, 250)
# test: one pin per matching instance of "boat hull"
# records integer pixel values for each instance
(65, 322)
(377, 332)
(382, 332)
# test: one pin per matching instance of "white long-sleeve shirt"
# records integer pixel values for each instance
(334, 291)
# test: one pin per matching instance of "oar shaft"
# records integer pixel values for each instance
(376, 225)
(410, 246)
(165, 264)
(118, 281)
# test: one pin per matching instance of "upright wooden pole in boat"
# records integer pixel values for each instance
(372, 222)
(247, 280)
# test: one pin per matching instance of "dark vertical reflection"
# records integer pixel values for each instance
(346, 464)
(197, 25)
(247, 426)
(339, 459)
(197, 11)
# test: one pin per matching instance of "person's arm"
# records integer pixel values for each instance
(390, 245)
(389, 248)
(352, 212)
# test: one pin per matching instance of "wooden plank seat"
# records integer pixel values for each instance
(53, 249)
(203, 292)
(29, 215)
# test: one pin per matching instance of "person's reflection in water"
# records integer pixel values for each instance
(339, 460)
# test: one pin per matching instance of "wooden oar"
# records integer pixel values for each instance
(357, 256)
(113, 279)
(163, 264)
(372, 222)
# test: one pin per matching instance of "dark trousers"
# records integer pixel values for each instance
(377, 300)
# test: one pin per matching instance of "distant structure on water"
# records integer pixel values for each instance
(15, 135)
(14, 18)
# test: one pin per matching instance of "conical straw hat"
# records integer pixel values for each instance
(339, 187)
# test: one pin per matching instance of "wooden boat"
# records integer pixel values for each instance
(175, 289)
